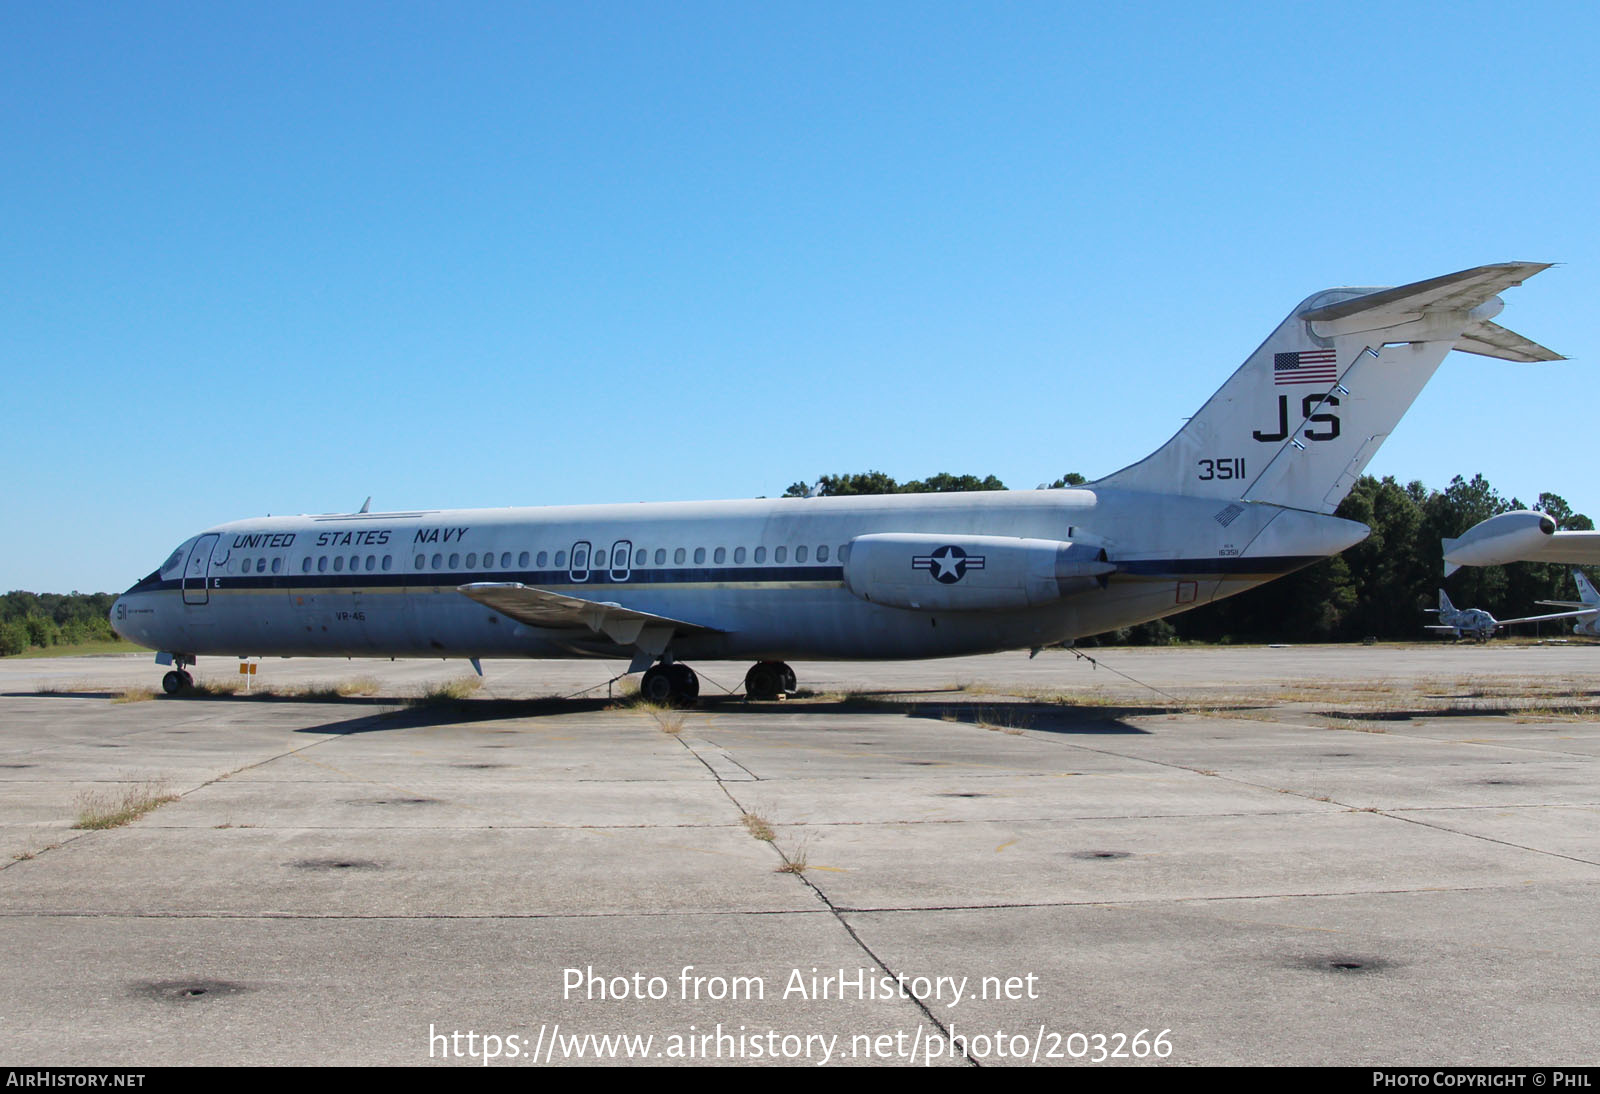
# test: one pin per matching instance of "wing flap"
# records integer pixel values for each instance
(542, 608)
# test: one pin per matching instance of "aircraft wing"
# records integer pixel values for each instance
(1543, 618)
(542, 608)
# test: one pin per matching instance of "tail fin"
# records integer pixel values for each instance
(1301, 418)
(1586, 591)
(1444, 603)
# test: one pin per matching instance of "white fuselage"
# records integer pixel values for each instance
(760, 579)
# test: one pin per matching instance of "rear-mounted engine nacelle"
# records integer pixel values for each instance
(1505, 538)
(955, 573)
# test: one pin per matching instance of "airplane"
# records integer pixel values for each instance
(1242, 494)
(1587, 598)
(1523, 535)
(1479, 624)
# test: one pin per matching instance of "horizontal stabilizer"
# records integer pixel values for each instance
(542, 608)
(1492, 340)
(1461, 291)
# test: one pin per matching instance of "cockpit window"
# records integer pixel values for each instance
(172, 562)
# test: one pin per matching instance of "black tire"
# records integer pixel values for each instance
(172, 683)
(656, 686)
(789, 682)
(763, 681)
(685, 684)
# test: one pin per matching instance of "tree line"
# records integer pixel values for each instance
(53, 619)
(1378, 588)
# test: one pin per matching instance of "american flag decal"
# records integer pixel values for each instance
(1308, 366)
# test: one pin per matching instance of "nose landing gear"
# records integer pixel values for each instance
(178, 680)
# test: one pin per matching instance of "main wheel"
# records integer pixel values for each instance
(763, 681)
(789, 682)
(172, 683)
(685, 684)
(656, 687)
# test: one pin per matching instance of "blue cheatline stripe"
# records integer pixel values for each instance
(759, 575)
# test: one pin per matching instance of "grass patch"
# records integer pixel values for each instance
(339, 689)
(758, 826)
(85, 649)
(450, 691)
(98, 809)
(797, 861)
(1004, 720)
(134, 695)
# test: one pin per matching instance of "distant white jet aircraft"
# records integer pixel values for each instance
(1479, 624)
(1588, 599)
(1521, 536)
(1242, 494)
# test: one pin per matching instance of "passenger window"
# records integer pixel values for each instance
(305, 565)
(661, 556)
(699, 555)
(355, 562)
(322, 564)
(438, 562)
(761, 554)
(277, 564)
(640, 557)
(738, 554)
(678, 556)
(544, 557)
(599, 560)
(505, 560)
(800, 553)
(781, 554)
(580, 559)
(386, 559)
(472, 559)
(372, 563)
(822, 553)
(561, 560)
(421, 560)
(522, 560)
(455, 560)
(844, 553)
(338, 563)
(719, 555)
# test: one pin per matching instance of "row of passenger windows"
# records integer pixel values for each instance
(581, 560)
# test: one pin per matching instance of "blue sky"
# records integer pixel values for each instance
(278, 258)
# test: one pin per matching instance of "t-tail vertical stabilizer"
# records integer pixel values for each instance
(1299, 421)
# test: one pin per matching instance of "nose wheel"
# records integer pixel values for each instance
(769, 680)
(670, 685)
(176, 681)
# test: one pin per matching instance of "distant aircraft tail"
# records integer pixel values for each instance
(1301, 418)
(1444, 603)
(1586, 591)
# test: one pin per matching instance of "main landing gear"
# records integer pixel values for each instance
(676, 684)
(670, 685)
(768, 680)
